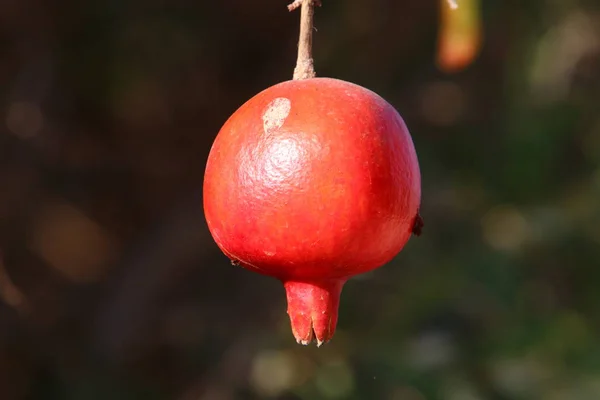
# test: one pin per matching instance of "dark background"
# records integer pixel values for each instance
(112, 287)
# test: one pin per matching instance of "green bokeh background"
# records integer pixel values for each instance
(112, 287)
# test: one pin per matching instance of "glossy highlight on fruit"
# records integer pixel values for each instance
(313, 181)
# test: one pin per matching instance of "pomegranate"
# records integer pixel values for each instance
(313, 181)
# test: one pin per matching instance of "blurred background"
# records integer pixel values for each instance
(112, 287)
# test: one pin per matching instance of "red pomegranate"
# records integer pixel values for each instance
(311, 182)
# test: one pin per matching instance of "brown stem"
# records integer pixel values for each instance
(305, 68)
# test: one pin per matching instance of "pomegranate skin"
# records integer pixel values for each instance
(311, 182)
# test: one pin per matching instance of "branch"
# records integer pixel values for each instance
(305, 64)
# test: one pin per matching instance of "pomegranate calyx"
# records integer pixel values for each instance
(313, 309)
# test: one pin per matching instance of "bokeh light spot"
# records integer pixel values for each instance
(24, 119)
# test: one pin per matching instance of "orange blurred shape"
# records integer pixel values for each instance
(460, 35)
(71, 242)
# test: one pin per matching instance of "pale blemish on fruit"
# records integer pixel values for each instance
(276, 113)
